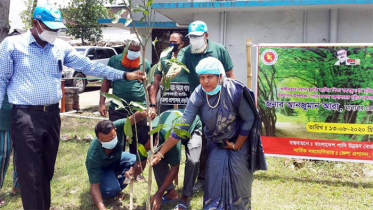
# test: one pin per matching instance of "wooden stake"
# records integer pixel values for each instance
(249, 71)
(63, 96)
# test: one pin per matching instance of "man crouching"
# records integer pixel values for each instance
(107, 164)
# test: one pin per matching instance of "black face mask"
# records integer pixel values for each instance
(176, 46)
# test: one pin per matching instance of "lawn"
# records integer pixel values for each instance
(286, 185)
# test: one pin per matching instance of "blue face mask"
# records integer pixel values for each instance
(176, 46)
(110, 144)
(214, 91)
(132, 55)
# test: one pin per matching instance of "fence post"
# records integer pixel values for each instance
(249, 71)
(63, 96)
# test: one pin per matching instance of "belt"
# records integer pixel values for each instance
(46, 108)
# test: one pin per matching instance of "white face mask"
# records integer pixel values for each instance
(110, 144)
(132, 55)
(46, 35)
(198, 44)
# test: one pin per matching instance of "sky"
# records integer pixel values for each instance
(17, 6)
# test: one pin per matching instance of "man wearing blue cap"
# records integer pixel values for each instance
(31, 66)
(200, 47)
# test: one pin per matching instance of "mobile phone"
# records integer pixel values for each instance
(60, 65)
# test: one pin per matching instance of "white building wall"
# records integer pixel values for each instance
(355, 25)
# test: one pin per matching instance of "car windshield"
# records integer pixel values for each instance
(80, 50)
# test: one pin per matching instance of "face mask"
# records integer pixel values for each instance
(198, 44)
(46, 35)
(110, 144)
(176, 47)
(214, 91)
(132, 55)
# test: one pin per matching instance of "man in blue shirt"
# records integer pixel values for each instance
(30, 73)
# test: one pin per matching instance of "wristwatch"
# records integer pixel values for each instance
(151, 105)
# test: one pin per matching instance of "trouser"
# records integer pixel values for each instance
(203, 158)
(193, 148)
(142, 129)
(36, 136)
(160, 172)
(6, 147)
(110, 183)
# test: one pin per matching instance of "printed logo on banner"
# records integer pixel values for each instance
(269, 57)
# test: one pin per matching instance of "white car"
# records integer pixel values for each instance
(95, 53)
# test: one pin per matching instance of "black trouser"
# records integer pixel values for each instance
(36, 136)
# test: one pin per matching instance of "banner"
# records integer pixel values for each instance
(178, 94)
(316, 102)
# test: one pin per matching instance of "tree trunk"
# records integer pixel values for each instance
(4, 19)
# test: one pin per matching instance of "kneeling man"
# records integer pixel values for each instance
(107, 164)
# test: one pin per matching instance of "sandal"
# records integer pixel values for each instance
(167, 200)
(2, 202)
(182, 205)
(17, 193)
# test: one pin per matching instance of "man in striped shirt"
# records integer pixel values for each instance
(30, 72)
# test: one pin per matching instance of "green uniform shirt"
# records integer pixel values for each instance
(98, 159)
(181, 77)
(129, 90)
(5, 111)
(173, 156)
(191, 60)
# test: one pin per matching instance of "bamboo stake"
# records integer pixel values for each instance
(249, 70)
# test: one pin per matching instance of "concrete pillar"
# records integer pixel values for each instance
(333, 29)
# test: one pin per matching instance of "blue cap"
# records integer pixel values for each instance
(210, 65)
(197, 28)
(50, 16)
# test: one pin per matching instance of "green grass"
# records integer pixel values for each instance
(313, 185)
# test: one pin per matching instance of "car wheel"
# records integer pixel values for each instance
(79, 82)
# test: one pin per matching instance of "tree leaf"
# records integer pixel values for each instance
(167, 135)
(142, 150)
(179, 124)
(126, 49)
(118, 15)
(128, 130)
(176, 62)
(149, 3)
(150, 75)
(165, 52)
(155, 41)
(177, 118)
(167, 84)
(182, 133)
(137, 104)
(137, 109)
(155, 130)
(118, 101)
(128, 21)
(141, 20)
(142, 9)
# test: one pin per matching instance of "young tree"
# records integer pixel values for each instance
(147, 17)
(81, 19)
(4, 19)
(26, 15)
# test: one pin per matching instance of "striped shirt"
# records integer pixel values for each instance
(31, 75)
